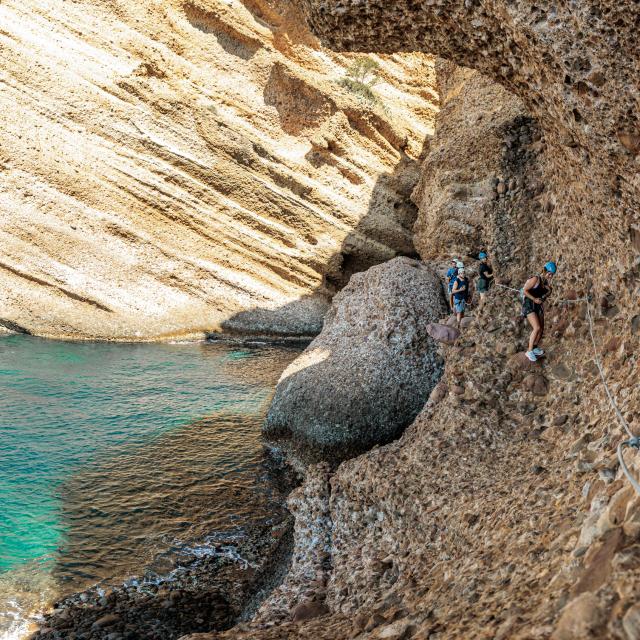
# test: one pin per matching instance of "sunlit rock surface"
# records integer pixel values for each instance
(174, 168)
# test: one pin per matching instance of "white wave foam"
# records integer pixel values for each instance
(17, 624)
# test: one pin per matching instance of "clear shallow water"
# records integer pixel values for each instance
(112, 454)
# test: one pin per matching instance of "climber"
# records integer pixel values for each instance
(452, 274)
(485, 277)
(461, 294)
(535, 291)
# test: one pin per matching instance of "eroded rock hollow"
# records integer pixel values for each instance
(575, 68)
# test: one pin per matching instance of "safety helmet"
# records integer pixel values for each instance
(550, 267)
(461, 270)
(482, 255)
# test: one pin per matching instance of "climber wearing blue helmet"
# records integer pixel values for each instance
(536, 290)
(485, 277)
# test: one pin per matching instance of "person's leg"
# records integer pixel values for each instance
(460, 311)
(534, 321)
(483, 295)
(541, 330)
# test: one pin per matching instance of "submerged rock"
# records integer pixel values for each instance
(369, 372)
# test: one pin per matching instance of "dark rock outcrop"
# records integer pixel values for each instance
(369, 372)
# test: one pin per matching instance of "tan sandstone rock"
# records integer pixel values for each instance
(174, 168)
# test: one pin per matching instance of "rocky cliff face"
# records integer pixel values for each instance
(173, 168)
(503, 512)
(574, 67)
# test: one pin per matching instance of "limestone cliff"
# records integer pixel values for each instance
(178, 167)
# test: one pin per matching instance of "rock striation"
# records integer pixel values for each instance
(369, 372)
(179, 167)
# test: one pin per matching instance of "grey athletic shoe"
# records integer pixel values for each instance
(538, 352)
(532, 356)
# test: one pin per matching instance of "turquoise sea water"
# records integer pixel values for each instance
(110, 453)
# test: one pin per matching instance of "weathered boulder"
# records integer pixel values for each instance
(443, 333)
(536, 384)
(369, 372)
(520, 362)
(308, 610)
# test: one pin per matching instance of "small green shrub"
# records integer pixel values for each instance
(360, 79)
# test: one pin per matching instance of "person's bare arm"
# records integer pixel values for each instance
(528, 285)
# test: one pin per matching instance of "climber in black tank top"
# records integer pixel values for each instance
(536, 290)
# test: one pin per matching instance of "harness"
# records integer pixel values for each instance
(539, 291)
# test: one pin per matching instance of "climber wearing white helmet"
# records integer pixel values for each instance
(536, 290)
(452, 274)
(461, 294)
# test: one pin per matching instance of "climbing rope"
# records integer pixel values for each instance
(617, 411)
(504, 286)
(633, 441)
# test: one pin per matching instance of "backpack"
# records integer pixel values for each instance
(467, 293)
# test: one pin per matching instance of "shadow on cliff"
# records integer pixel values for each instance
(383, 233)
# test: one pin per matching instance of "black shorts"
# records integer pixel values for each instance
(529, 306)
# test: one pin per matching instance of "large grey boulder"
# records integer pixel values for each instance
(369, 372)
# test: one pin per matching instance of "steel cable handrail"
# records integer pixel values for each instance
(633, 441)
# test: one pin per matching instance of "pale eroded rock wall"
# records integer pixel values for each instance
(178, 167)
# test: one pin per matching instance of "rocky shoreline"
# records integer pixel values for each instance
(214, 584)
(280, 572)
